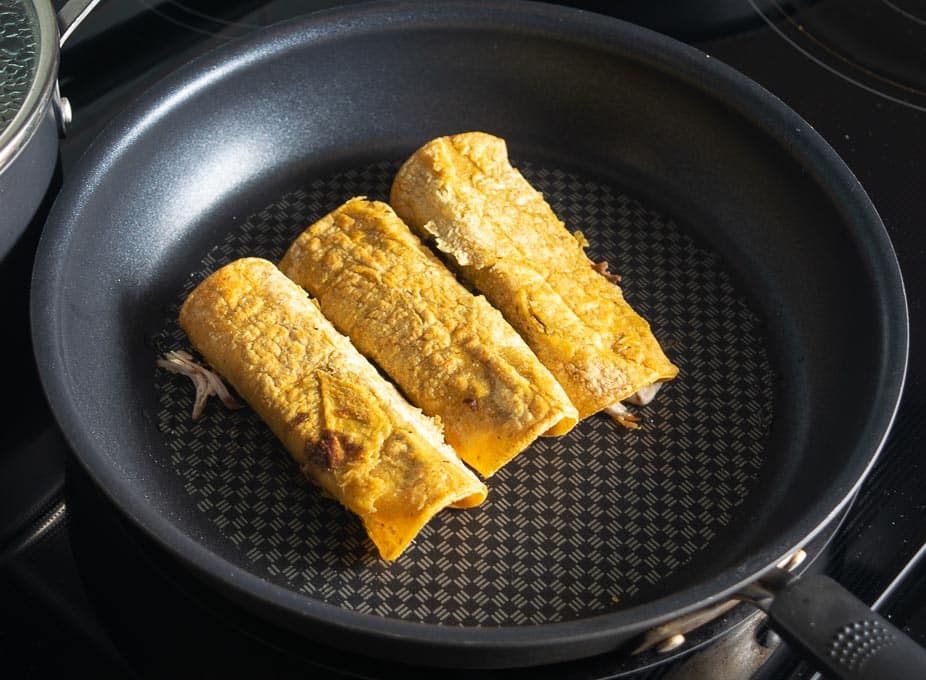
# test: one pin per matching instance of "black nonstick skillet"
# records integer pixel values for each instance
(739, 233)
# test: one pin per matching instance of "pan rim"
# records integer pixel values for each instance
(761, 108)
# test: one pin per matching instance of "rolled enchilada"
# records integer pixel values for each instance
(349, 430)
(502, 236)
(449, 351)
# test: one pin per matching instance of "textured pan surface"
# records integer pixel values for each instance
(183, 176)
(576, 526)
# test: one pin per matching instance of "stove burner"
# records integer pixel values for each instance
(875, 45)
(900, 10)
(205, 18)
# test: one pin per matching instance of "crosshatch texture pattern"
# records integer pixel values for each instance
(574, 526)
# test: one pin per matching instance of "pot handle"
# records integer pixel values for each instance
(838, 631)
(69, 18)
(71, 15)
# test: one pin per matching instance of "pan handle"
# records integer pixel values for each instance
(828, 624)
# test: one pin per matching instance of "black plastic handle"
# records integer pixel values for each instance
(847, 640)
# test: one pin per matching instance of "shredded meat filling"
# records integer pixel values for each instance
(644, 395)
(602, 268)
(622, 415)
(207, 382)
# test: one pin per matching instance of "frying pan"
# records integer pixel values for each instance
(741, 235)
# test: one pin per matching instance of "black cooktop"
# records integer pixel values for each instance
(83, 593)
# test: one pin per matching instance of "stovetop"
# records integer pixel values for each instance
(855, 70)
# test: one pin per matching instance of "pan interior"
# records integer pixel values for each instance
(575, 526)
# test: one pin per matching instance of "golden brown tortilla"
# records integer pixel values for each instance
(461, 192)
(449, 351)
(349, 429)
